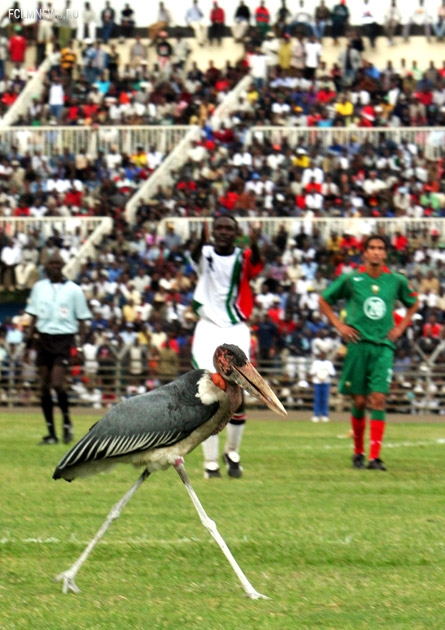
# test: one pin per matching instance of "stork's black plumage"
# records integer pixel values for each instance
(156, 420)
(158, 429)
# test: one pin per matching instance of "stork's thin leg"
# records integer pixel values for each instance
(211, 526)
(69, 575)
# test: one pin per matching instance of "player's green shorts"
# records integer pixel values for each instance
(367, 368)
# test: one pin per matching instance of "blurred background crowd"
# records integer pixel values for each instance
(112, 71)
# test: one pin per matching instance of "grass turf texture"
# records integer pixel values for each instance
(331, 546)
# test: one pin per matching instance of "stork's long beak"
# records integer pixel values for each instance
(248, 378)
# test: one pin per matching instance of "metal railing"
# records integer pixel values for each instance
(34, 87)
(52, 140)
(90, 229)
(228, 106)
(358, 227)
(163, 175)
(88, 249)
(414, 390)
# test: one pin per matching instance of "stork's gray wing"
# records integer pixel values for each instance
(157, 419)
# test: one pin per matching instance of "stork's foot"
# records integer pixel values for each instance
(255, 595)
(68, 581)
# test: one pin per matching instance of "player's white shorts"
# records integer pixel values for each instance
(208, 336)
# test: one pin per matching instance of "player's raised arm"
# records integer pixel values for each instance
(204, 239)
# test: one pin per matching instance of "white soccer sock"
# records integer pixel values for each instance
(234, 436)
(210, 448)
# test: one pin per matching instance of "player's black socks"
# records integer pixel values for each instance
(62, 399)
(47, 408)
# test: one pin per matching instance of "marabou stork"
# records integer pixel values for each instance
(157, 429)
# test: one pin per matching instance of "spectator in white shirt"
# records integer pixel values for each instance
(265, 299)
(11, 256)
(313, 51)
(197, 153)
(154, 158)
(313, 174)
(258, 68)
(322, 370)
(393, 18)
(242, 159)
(56, 98)
(420, 17)
(270, 48)
(113, 159)
(373, 185)
(301, 21)
(195, 18)
(369, 22)
(86, 24)
(38, 209)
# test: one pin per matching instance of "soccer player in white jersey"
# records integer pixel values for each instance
(223, 301)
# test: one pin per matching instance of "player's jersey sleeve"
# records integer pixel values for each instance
(31, 307)
(81, 307)
(252, 271)
(340, 289)
(406, 294)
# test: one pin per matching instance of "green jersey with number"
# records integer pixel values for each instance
(370, 302)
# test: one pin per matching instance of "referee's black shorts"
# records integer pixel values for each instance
(54, 350)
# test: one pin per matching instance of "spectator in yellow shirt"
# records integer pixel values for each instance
(344, 108)
(140, 157)
(302, 160)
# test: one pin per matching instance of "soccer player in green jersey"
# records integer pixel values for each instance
(370, 334)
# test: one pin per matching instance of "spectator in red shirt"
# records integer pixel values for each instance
(326, 95)
(9, 97)
(224, 135)
(287, 325)
(425, 96)
(172, 342)
(274, 312)
(22, 209)
(349, 242)
(73, 197)
(217, 18)
(400, 242)
(262, 19)
(90, 110)
(17, 46)
(73, 112)
(313, 186)
(432, 328)
(229, 200)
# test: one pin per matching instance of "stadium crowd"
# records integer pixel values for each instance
(140, 292)
(140, 285)
(90, 83)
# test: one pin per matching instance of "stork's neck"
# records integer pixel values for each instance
(235, 395)
(232, 390)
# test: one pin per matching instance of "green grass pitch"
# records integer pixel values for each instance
(331, 547)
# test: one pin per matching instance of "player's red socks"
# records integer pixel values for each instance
(376, 432)
(358, 423)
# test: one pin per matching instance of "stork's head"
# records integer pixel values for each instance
(233, 365)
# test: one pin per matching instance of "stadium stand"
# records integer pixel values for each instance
(315, 169)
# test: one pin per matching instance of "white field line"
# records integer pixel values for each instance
(8, 539)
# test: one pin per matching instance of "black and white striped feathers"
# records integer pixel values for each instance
(151, 429)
